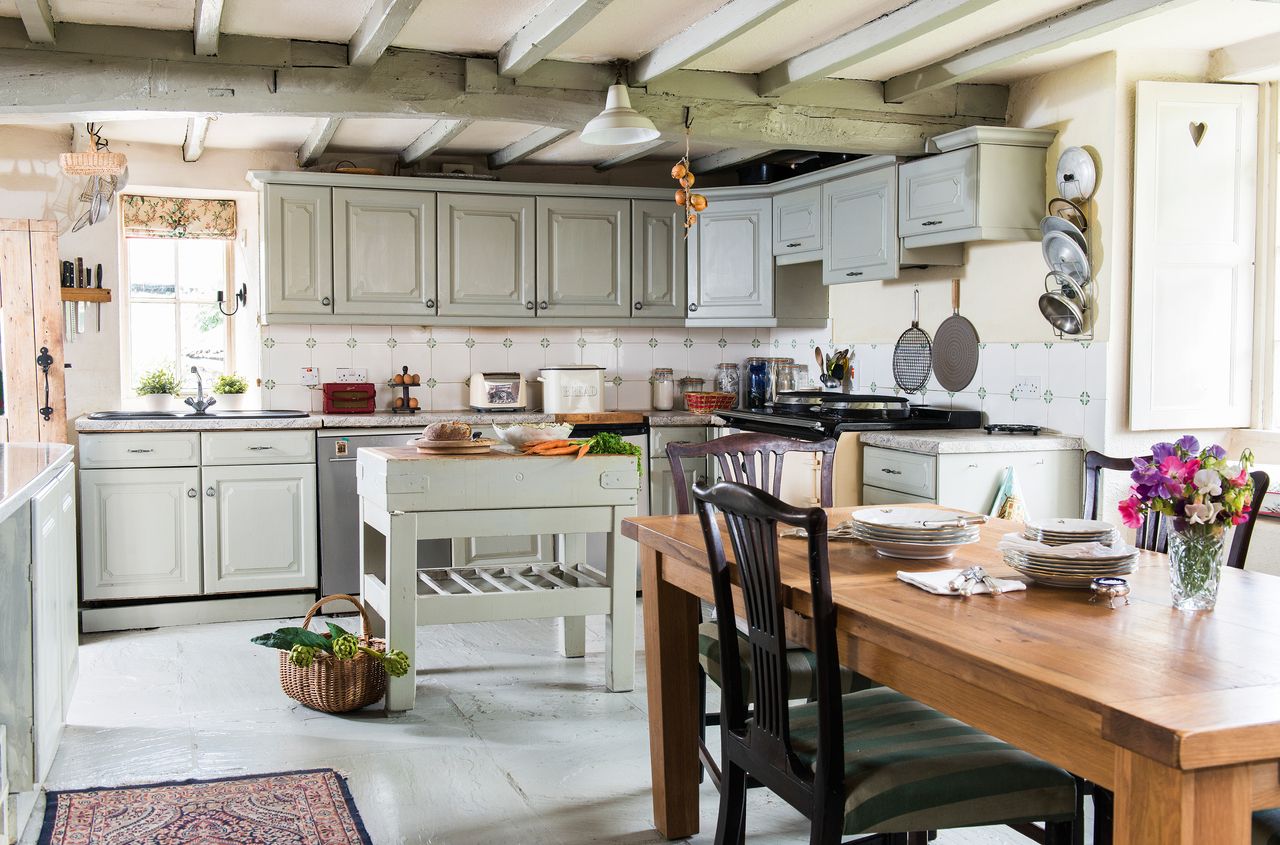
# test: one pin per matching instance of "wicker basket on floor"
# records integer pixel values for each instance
(331, 685)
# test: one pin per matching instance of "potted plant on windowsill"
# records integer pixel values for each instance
(230, 390)
(158, 389)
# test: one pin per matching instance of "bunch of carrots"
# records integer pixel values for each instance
(559, 447)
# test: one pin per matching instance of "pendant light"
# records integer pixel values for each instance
(619, 124)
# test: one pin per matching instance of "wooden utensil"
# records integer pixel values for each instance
(955, 347)
(912, 355)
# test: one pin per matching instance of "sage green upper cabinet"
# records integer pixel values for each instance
(860, 216)
(584, 257)
(659, 286)
(797, 221)
(384, 252)
(297, 230)
(731, 261)
(485, 261)
(939, 193)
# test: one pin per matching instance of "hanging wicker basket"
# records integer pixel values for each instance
(93, 163)
(331, 685)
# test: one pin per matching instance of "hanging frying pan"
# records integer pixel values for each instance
(912, 355)
(955, 347)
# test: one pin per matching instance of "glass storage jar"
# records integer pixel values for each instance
(758, 383)
(663, 389)
(688, 384)
(727, 380)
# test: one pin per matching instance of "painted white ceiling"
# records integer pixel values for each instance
(627, 29)
(308, 20)
(471, 27)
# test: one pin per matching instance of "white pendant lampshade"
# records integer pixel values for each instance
(619, 124)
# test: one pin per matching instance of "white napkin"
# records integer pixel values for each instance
(938, 582)
(1016, 542)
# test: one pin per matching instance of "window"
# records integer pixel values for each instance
(173, 316)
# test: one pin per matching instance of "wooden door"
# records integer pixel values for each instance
(260, 529)
(384, 245)
(54, 622)
(485, 258)
(797, 221)
(34, 398)
(297, 228)
(731, 261)
(140, 531)
(860, 214)
(584, 257)
(659, 265)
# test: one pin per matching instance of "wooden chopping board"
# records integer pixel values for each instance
(603, 418)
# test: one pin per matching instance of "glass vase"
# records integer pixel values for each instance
(1196, 557)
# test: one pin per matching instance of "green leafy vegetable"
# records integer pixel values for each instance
(286, 638)
(608, 443)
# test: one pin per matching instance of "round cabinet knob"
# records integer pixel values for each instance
(326, 301)
(693, 306)
(209, 492)
(431, 303)
(191, 493)
(529, 306)
(639, 306)
(542, 306)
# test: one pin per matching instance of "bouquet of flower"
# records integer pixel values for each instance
(1190, 485)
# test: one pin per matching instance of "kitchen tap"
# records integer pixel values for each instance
(199, 402)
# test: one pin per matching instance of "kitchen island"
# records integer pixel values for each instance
(406, 496)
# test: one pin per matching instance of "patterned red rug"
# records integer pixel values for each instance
(292, 808)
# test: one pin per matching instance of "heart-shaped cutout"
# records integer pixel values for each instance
(1197, 132)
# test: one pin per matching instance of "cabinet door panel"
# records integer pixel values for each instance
(659, 285)
(140, 529)
(298, 231)
(384, 252)
(54, 622)
(488, 551)
(861, 238)
(259, 528)
(584, 257)
(797, 221)
(486, 255)
(1051, 481)
(939, 193)
(731, 259)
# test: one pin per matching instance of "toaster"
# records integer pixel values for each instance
(349, 397)
(498, 392)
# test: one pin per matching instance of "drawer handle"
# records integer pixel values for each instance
(191, 493)
(140, 451)
(793, 245)
(542, 306)
(931, 223)
(209, 491)
(529, 306)
(854, 273)
(260, 448)
(891, 471)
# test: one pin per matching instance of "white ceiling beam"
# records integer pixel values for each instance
(725, 159)
(38, 20)
(872, 39)
(197, 131)
(544, 32)
(633, 153)
(1076, 25)
(440, 133)
(539, 139)
(716, 29)
(207, 26)
(1256, 60)
(321, 134)
(381, 24)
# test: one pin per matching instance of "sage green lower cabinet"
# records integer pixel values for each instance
(297, 233)
(384, 245)
(584, 257)
(485, 551)
(731, 261)
(659, 262)
(485, 258)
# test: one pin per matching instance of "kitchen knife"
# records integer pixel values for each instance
(97, 275)
(80, 306)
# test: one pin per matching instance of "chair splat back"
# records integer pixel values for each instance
(751, 459)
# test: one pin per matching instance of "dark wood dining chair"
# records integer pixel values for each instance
(873, 761)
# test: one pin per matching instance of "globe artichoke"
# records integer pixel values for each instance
(346, 647)
(396, 662)
(302, 655)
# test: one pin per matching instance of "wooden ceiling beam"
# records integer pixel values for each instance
(1256, 60)
(207, 26)
(544, 32)
(1075, 25)
(632, 153)
(381, 24)
(440, 133)
(537, 140)
(37, 18)
(872, 39)
(716, 29)
(725, 159)
(197, 132)
(321, 134)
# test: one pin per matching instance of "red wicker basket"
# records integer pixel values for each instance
(708, 402)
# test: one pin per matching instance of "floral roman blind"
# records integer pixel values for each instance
(173, 217)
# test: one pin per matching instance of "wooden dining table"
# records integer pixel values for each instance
(1178, 713)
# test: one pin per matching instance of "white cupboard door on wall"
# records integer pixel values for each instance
(140, 532)
(731, 261)
(584, 257)
(259, 528)
(1195, 178)
(938, 193)
(486, 248)
(860, 216)
(384, 252)
(797, 221)
(658, 262)
(297, 225)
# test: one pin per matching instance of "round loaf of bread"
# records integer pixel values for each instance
(447, 431)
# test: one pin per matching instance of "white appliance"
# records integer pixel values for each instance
(498, 392)
(572, 389)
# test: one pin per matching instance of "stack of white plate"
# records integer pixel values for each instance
(1064, 569)
(915, 533)
(1060, 532)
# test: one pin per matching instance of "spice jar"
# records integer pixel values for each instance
(663, 389)
(688, 384)
(727, 380)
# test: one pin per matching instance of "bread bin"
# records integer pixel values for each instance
(572, 389)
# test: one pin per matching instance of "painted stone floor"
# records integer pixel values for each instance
(509, 742)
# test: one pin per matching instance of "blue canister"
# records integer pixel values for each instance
(758, 378)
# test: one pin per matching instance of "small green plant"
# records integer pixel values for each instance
(159, 381)
(230, 384)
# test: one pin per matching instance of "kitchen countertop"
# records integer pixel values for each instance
(970, 441)
(25, 468)
(84, 424)
(376, 420)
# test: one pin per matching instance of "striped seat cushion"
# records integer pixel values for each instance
(802, 663)
(1266, 827)
(909, 767)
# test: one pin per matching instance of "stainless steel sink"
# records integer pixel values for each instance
(214, 414)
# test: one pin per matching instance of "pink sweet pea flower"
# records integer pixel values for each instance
(1131, 512)
(1242, 479)
(1241, 518)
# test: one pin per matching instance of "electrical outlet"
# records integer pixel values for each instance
(1027, 387)
(310, 377)
(352, 375)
